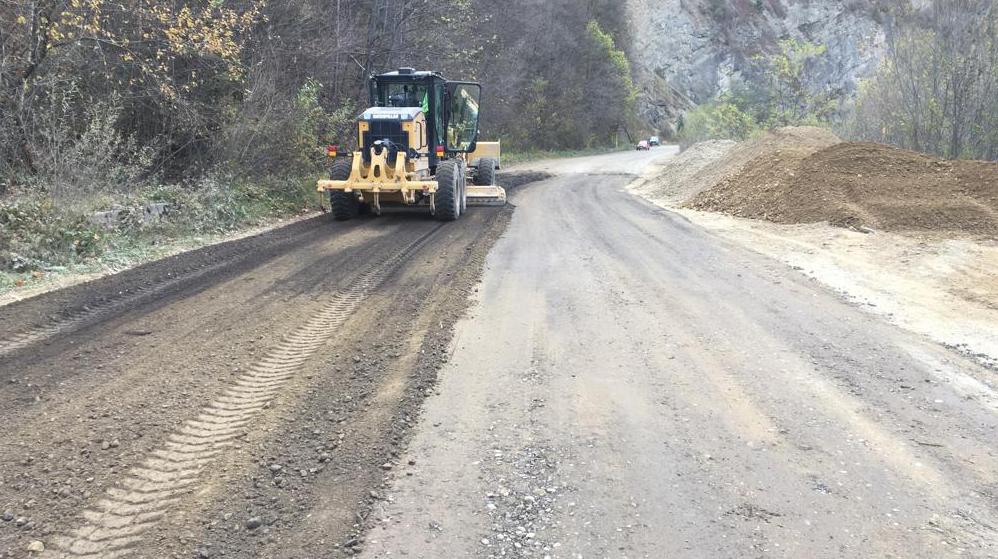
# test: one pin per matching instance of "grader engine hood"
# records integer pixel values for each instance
(400, 126)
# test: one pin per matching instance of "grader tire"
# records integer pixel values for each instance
(344, 205)
(486, 175)
(449, 191)
(463, 183)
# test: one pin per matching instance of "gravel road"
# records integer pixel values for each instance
(631, 386)
(584, 376)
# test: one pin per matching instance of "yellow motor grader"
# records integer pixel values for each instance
(417, 146)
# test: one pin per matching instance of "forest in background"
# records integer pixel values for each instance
(175, 88)
(220, 108)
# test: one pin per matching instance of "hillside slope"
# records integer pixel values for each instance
(686, 51)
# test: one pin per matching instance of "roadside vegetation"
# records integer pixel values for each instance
(218, 111)
(781, 91)
(937, 86)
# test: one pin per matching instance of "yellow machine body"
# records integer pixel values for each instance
(398, 182)
(491, 150)
(418, 146)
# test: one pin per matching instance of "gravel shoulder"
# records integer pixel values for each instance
(938, 283)
(943, 287)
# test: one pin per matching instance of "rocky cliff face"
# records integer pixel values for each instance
(687, 51)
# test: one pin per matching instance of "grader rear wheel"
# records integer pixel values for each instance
(450, 191)
(344, 205)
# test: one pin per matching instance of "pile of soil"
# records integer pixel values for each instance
(862, 185)
(679, 178)
(704, 165)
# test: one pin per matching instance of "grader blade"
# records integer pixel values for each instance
(486, 195)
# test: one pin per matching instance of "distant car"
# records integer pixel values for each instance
(654, 141)
(643, 145)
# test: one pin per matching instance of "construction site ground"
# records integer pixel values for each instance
(580, 374)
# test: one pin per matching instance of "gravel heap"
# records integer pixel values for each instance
(678, 179)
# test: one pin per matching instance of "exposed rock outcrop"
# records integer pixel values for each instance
(687, 51)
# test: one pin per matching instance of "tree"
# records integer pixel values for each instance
(935, 90)
(788, 86)
(781, 90)
(609, 87)
(171, 66)
(202, 84)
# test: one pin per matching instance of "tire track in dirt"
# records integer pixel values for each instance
(116, 524)
(206, 262)
(94, 313)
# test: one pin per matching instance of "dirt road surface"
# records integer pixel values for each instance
(629, 386)
(620, 384)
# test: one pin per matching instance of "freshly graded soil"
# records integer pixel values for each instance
(862, 185)
(206, 404)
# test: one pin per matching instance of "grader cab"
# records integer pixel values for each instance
(418, 147)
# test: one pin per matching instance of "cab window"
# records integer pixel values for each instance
(462, 124)
(403, 96)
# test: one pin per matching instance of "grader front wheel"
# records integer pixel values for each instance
(486, 175)
(464, 190)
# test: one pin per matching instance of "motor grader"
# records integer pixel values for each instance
(417, 146)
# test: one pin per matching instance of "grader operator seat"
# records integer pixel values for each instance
(417, 145)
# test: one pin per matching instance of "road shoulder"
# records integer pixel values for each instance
(943, 288)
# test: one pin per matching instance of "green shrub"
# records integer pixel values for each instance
(38, 235)
(218, 204)
(258, 141)
(781, 92)
(719, 120)
(80, 155)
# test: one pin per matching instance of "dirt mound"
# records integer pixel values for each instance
(793, 142)
(862, 185)
(803, 138)
(704, 165)
(678, 179)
